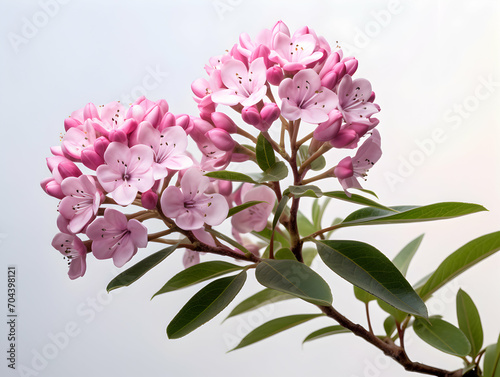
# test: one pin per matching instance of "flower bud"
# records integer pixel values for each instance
(70, 122)
(68, 169)
(118, 136)
(221, 139)
(262, 52)
(251, 115)
(225, 187)
(221, 120)
(149, 199)
(200, 87)
(90, 111)
(344, 169)
(168, 120)
(185, 122)
(269, 113)
(91, 159)
(330, 79)
(345, 139)
(326, 131)
(274, 75)
(351, 65)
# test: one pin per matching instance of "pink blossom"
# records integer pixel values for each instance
(61, 168)
(77, 139)
(304, 97)
(354, 100)
(74, 250)
(254, 217)
(244, 85)
(169, 147)
(113, 236)
(81, 202)
(127, 171)
(190, 206)
(350, 169)
(295, 53)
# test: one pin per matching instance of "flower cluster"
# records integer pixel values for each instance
(138, 156)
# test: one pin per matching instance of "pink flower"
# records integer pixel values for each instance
(74, 250)
(350, 169)
(61, 168)
(127, 171)
(354, 100)
(169, 147)
(78, 139)
(304, 97)
(295, 53)
(116, 237)
(244, 85)
(190, 206)
(81, 202)
(255, 217)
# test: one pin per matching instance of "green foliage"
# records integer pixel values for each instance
(469, 322)
(241, 207)
(265, 297)
(326, 331)
(265, 153)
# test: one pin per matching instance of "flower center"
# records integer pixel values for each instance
(189, 204)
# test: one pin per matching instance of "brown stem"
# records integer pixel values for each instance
(367, 309)
(388, 348)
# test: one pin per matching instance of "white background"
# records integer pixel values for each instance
(423, 58)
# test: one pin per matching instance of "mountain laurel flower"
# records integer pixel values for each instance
(113, 236)
(304, 97)
(350, 169)
(74, 250)
(81, 202)
(189, 206)
(127, 171)
(254, 217)
(244, 85)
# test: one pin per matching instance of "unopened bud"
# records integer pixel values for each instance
(251, 115)
(149, 199)
(221, 139)
(221, 120)
(274, 75)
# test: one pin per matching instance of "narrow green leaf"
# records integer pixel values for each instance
(275, 173)
(229, 240)
(284, 253)
(404, 257)
(265, 153)
(265, 297)
(198, 273)
(442, 336)
(318, 211)
(305, 226)
(279, 210)
(205, 305)
(135, 272)
(294, 278)
(327, 331)
(241, 207)
(273, 327)
(230, 176)
(461, 260)
(307, 190)
(366, 267)
(407, 214)
(491, 363)
(469, 322)
(265, 235)
(357, 199)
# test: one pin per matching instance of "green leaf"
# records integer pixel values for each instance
(273, 327)
(279, 210)
(275, 173)
(294, 278)
(307, 190)
(230, 176)
(198, 273)
(407, 214)
(265, 297)
(265, 153)
(284, 253)
(135, 272)
(318, 164)
(205, 305)
(389, 325)
(366, 267)
(318, 211)
(363, 295)
(303, 154)
(398, 315)
(265, 235)
(357, 199)
(442, 336)
(461, 260)
(404, 257)
(491, 364)
(327, 331)
(241, 207)
(305, 226)
(469, 322)
(308, 255)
